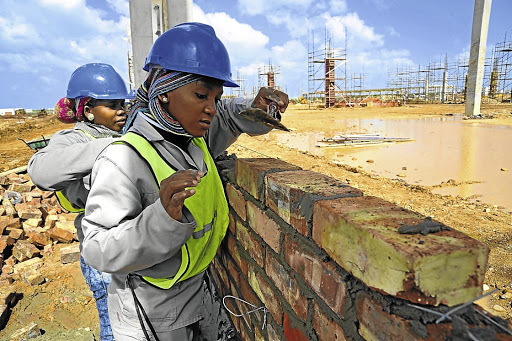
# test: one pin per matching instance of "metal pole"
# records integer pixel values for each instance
(481, 15)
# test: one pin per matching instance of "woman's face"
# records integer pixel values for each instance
(107, 112)
(193, 105)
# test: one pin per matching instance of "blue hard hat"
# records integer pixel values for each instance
(191, 47)
(97, 80)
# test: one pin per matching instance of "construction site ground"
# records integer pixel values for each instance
(65, 310)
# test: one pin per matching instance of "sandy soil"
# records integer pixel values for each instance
(65, 310)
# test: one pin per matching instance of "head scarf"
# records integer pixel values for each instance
(146, 102)
(69, 110)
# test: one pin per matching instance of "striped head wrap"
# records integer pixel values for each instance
(146, 101)
(69, 110)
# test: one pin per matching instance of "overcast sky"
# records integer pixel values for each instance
(43, 41)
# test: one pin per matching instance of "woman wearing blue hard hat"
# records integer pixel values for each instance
(95, 103)
(156, 212)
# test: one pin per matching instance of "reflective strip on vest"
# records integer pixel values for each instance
(208, 207)
(63, 201)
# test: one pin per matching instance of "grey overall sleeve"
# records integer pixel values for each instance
(68, 157)
(227, 125)
(129, 237)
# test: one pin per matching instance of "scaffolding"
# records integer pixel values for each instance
(237, 91)
(327, 70)
(500, 87)
(267, 76)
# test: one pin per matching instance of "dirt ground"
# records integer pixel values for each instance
(64, 308)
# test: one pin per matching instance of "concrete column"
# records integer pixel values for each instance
(178, 11)
(481, 15)
(148, 20)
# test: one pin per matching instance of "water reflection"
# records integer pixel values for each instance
(445, 149)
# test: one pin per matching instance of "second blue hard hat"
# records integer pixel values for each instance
(97, 80)
(194, 48)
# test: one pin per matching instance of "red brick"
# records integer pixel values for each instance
(291, 195)
(250, 243)
(266, 294)
(361, 235)
(376, 324)
(236, 200)
(292, 330)
(235, 254)
(321, 276)
(250, 173)
(288, 286)
(70, 254)
(24, 250)
(326, 328)
(248, 295)
(232, 224)
(264, 226)
(9, 221)
(39, 238)
(61, 235)
(233, 271)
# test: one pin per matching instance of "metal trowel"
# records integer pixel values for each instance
(270, 118)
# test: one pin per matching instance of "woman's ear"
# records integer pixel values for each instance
(88, 113)
(163, 98)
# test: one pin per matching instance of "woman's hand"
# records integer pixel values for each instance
(174, 191)
(268, 95)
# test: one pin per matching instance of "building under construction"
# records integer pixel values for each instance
(442, 81)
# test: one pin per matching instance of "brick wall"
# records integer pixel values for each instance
(329, 263)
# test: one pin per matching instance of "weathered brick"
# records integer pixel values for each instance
(67, 217)
(361, 235)
(248, 295)
(272, 333)
(235, 254)
(266, 294)
(233, 271)
(4, 180)
(20, 187)
(232, 224)
(33, 263)
(294, 330)
(26, 211)
(9, 207)
(326, 328)
(250, 243)
(32, 277)
(9, 221)
(32, 223)
(70, 254)
(250, 173)
(264, 226)
(321, 276)
(23, 250)
(287, 285)
(39, 238)
(66, 225)
(377, 324)
(236, 200)
(5, 241)
(16, 233)
(292, 194)
(60, 235)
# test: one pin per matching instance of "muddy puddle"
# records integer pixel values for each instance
(467, 158)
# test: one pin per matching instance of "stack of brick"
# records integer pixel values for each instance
(31, 222)
(329, 263)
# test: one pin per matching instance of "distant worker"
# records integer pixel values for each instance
(95, 102)
(156, 211)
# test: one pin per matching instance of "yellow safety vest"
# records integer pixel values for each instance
(63, 201)
(208, 206)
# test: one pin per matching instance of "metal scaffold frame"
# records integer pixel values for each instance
(327, 70)
(501, 75)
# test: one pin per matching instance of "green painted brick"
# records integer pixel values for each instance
(250, 173)
(361, 235)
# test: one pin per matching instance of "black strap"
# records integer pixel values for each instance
(140, 309)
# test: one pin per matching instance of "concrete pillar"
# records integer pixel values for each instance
(481, 15)
(148, 20)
